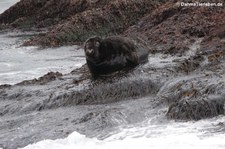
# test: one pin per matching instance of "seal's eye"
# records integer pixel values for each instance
(97, 44)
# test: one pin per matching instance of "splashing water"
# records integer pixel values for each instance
(205, 134)
(23, 63)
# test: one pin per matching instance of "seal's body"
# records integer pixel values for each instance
(111, 54)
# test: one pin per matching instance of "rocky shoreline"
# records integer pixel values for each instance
(73, 21)
(184, 78)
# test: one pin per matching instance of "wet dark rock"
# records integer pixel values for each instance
(75, 102)
(57, 105)
(197, 32)
(51, 76)
(194, 98)
(5, 86)
(190, 64)
(62, 104)
(76, 90)
(73, 21)
(172, 29)
(196, 109)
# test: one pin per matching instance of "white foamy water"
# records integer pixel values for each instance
(5, 4)
(22, 63)
(207, 134)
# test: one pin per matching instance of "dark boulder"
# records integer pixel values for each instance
(196, 109)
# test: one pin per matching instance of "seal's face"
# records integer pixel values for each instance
(91, 48)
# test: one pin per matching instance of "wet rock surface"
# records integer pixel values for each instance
(183, 80)
(73, 21)
(196, 35)
(34, 111)
(55, 105)
(196, 109)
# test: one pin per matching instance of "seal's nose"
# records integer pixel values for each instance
(90, 52)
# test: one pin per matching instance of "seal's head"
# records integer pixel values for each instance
(91, 48)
